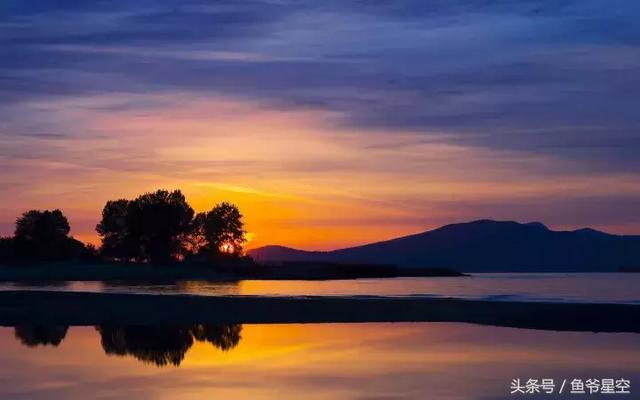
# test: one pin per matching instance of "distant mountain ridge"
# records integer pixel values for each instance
(484, 246)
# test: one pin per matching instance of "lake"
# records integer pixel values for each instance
(570, 287)
(448, 361)
(364, 361)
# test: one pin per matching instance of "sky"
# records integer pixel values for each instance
(329, 123)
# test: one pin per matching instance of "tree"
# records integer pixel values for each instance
(42, 226)
(117, 240)
(43, 236)
(160, 227)
(161, 221)
(153, 227)
(222, 229)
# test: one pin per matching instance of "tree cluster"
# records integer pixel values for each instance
(42, 236)
(161, 227)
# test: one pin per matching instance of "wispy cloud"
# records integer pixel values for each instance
(361, 102)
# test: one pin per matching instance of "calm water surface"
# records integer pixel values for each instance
(600, 288)
(448, 361)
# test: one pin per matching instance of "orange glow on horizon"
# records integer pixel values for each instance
(299, 179)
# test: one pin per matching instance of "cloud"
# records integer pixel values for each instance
(392, 91)
(529, 76)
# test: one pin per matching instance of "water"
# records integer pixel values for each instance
(443, 360)
(576, 287)
(447, 361)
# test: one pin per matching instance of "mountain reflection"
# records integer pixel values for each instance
(33, 336)
(165, 345)
(158, 345)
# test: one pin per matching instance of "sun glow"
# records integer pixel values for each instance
(298, 178)
(227, 248)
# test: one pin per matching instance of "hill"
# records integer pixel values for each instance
(484, 246)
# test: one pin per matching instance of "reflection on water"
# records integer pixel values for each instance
(574, 287)
(33, 336)
(448, 361)
(165, 345)
(159, 345)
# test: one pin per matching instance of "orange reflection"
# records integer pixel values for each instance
(322, 361)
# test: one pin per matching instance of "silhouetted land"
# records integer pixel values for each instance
(145, 272)
(485, 246)
(157, 227)
(107, 272)
(64, 308)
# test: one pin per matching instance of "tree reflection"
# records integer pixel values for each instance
(157, 345)
(224, 337)
(165, 345)
(33, 336)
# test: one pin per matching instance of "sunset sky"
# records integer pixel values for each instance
(329, 123)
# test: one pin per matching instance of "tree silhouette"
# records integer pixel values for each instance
(165, 345)
(41, 335)
(153, 227)
(117, 240)
(43, 236)
(161, 220)
(42, 226)
(222, 229)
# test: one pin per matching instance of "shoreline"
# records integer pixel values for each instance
(80, 308)
(59, 272)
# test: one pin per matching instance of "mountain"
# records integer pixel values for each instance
(484, 246)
